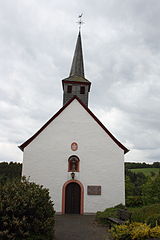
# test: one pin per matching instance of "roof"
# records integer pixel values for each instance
(26, 143)
(76, 79)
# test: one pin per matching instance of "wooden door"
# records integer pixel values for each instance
(72, 198)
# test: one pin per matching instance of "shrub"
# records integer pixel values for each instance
(120, 232)
(153, 220)
(139, 231)
(134, 231)
(138, 215)
(108, 212)
(155, 232)
(134, 201)
(101, 216)
(141, 214)
(26, 212)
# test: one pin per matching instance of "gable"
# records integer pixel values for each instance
(60, 113)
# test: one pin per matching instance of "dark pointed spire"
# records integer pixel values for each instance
(77, 68)
(76, 84)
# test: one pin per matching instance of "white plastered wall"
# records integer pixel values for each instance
(101, 159)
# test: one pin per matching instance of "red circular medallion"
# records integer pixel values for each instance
(74, 146)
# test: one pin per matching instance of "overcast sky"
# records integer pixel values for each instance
(121, 47)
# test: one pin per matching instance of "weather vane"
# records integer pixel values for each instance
(80, 22)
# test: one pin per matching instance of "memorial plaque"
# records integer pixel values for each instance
(94, 190)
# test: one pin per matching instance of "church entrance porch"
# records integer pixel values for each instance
(72, 197)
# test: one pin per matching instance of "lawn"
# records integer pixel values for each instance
(146, 171)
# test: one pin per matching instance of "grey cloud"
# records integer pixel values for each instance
(121, 50)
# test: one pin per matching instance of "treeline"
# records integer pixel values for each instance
(133, 165)
(10, 171)
(141, 189)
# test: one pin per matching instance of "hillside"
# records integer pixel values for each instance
(146, 171)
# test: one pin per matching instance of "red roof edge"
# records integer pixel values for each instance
(22, 146)
(104, 128)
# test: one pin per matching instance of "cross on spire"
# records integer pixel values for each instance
(80, 22)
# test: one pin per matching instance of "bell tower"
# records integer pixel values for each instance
(76, 84)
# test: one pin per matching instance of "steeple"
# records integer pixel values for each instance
(76, 84)
(77, 68)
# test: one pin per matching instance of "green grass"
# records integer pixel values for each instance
(140, 214)
(146, 171)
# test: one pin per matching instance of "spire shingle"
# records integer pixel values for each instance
(77, 68)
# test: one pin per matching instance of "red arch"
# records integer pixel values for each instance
(64, 193)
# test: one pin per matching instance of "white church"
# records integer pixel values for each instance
(74, 155)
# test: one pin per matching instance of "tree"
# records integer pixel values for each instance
(137, 179)
(10, 171)
(129, 187)
(156, 165)
(151, 191)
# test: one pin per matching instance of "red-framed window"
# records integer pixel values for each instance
(73, 164)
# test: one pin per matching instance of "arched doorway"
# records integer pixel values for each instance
(72, 191)
(73, 198)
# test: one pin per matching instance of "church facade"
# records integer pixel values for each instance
(74, 155)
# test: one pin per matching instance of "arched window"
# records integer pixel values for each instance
(73, 164)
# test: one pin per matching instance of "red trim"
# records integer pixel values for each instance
(64, 193)
(76, 82)
(44, 126)
(58, 113)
